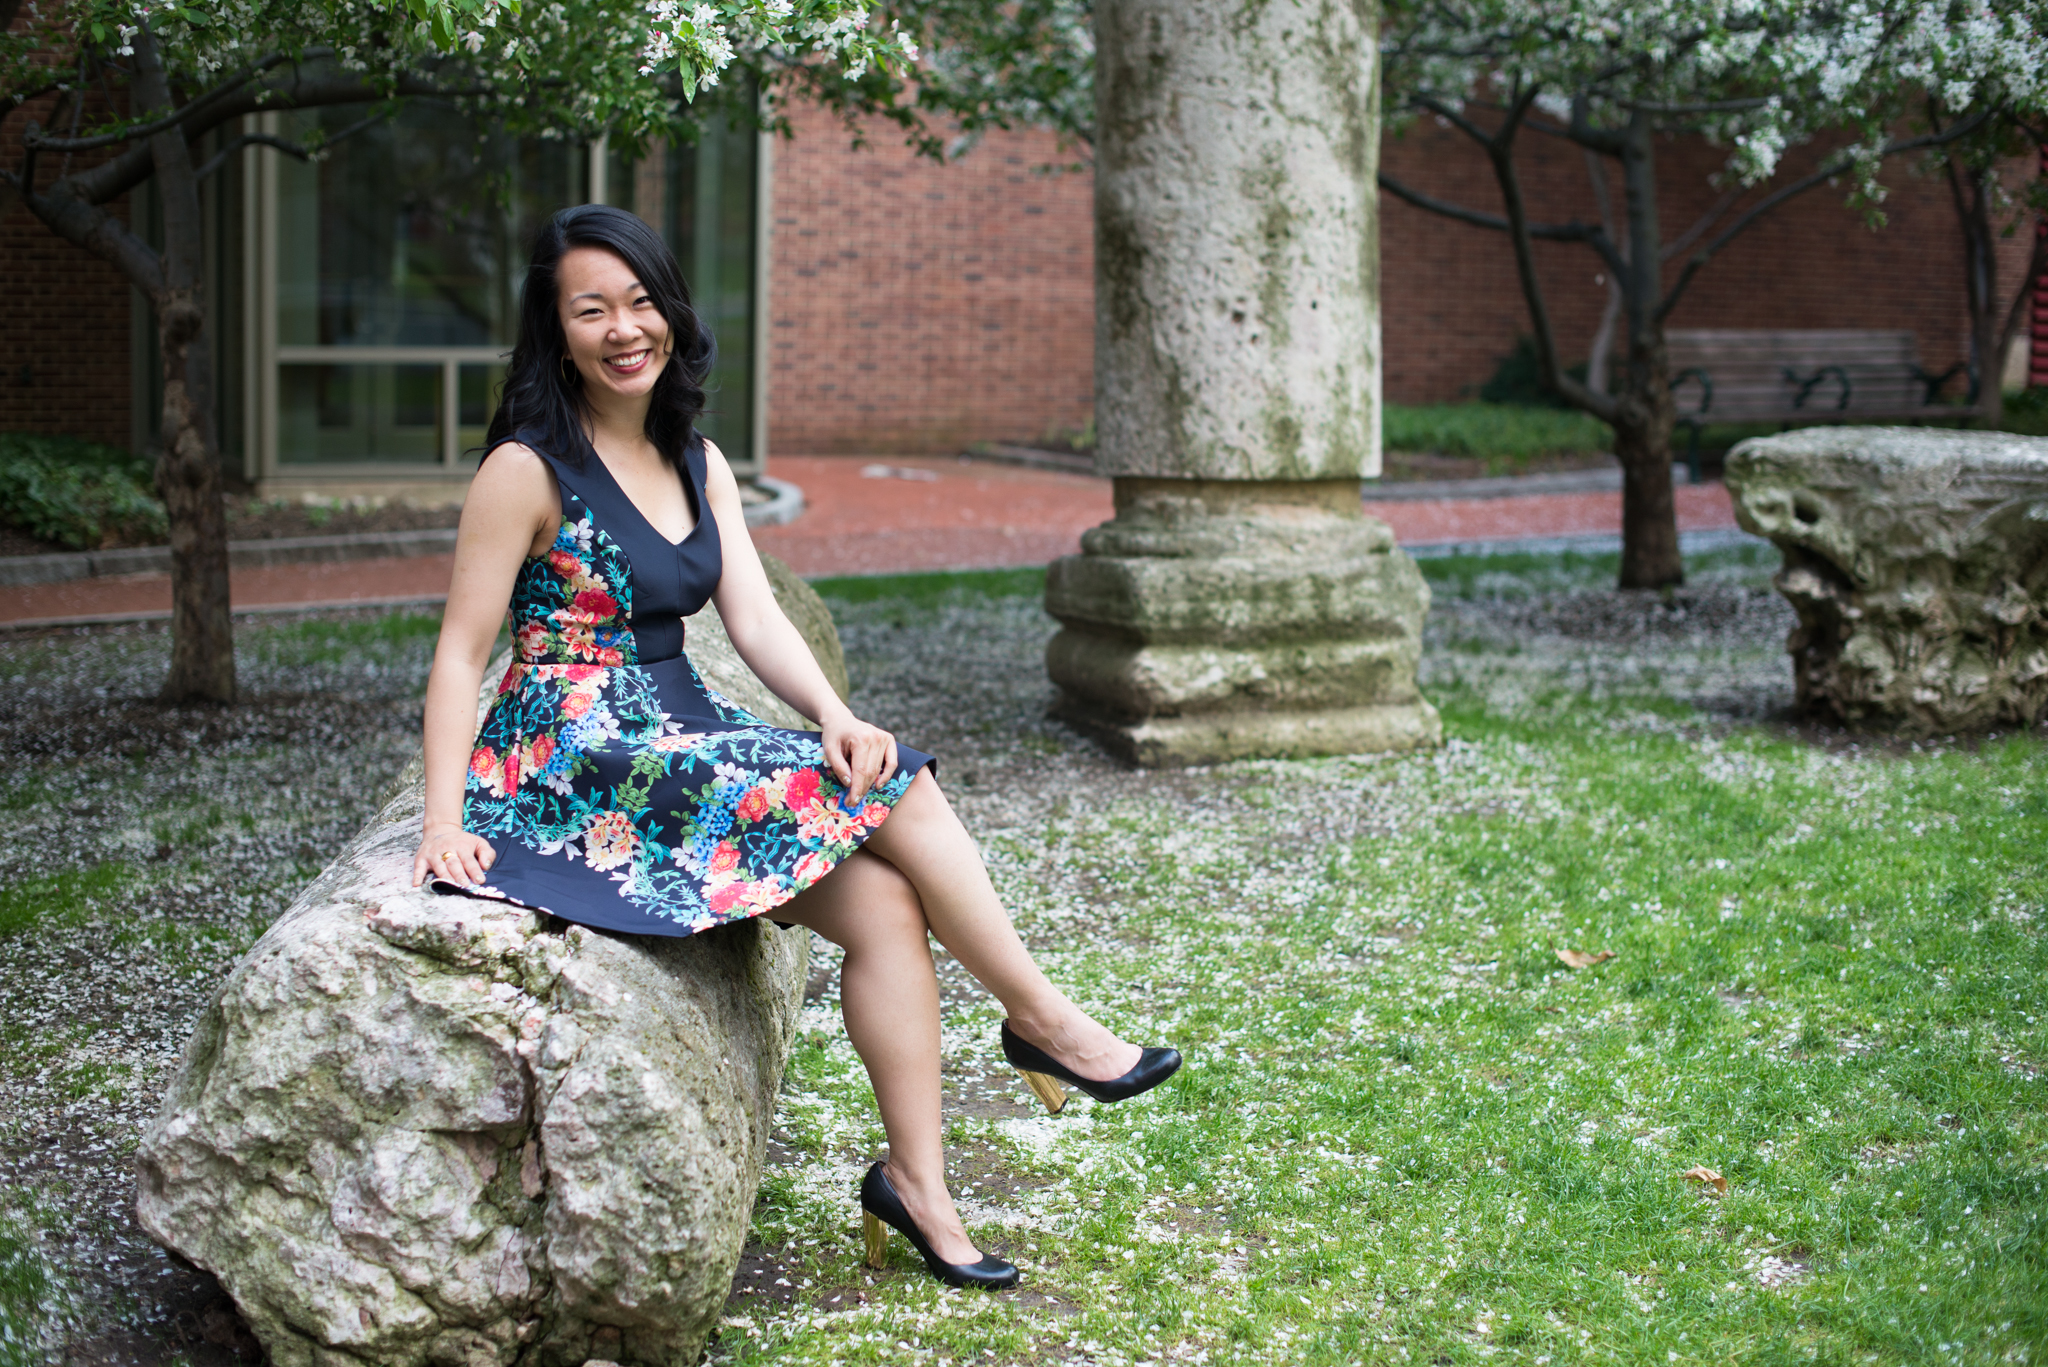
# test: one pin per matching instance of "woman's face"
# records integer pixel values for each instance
(617, 338)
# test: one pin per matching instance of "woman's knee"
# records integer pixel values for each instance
(865, 900)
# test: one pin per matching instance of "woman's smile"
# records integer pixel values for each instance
(629, 362)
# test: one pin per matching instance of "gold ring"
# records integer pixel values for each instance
(447, 855)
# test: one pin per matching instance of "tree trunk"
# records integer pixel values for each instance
(188, 472)
(1642, 444)
(1980, 258)
(1642, 428)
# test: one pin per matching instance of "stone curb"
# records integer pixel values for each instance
(786, 501)
(1505, 486)
(1376, 490)
(1591, 543)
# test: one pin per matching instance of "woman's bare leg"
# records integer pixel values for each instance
(925, 840)
(889, 995)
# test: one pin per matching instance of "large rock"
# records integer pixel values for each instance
(1917, 560)
(414, 1129)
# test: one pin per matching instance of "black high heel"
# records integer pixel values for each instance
(1045, 1073)
(880, 1206)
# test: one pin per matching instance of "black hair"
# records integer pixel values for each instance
(543, 401)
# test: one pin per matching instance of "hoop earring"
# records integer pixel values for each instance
(570, 376)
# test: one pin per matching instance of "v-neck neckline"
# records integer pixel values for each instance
(690, 495)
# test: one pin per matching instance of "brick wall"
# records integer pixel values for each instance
(1452, 306)
(64, 361)
(919, 307)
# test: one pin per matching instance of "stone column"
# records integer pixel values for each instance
(1240, 603)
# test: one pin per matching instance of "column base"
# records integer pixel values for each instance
(1215, 620)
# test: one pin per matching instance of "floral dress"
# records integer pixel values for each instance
(615, 788)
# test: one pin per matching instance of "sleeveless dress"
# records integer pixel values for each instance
(618, 791)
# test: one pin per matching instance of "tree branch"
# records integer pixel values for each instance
(1709, 107)
(1607, 141)
(285, 145)
(1591, 234)
(95, 230)
(1800, 187)
(1501, 150)
(189, 110)
(220, 158)
(1453, 116)
(1707, 220)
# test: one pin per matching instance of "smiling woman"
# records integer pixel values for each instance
(608, 786)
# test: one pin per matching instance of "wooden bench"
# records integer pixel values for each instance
(1801, 376)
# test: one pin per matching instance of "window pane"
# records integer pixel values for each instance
(335, 413)
(701, 199)
(412, 232)
(477, 394)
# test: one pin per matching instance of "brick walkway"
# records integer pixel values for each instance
(928, 514)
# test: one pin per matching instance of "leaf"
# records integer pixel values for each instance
(1707, 1177)
(1579, 958)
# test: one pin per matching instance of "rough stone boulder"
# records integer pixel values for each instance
(414, 1129)
(1917, 560)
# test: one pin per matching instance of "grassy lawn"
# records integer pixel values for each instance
(1408, 1131)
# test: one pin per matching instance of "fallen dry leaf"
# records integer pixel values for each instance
(1709, 1177)
(1579, 958)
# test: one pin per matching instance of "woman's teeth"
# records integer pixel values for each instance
(630, 361)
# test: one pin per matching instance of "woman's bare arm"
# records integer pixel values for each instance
(861, 755)
(512, 505)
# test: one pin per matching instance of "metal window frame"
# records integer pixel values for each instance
(263, 355)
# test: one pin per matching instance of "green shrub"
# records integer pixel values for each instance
(1503, 432)
(1518, 379)
(77, 493)
(2027, 412)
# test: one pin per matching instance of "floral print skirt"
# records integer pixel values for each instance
(630, 797)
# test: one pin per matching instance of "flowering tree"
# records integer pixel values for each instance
(1979, 169)
(1614, 76)
(1754, 76)
(172, 73)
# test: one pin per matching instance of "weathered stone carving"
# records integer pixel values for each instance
(1240, 603)
(414, 1129)
(1917, 560)
(1217, 619)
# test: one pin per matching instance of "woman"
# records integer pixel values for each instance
(609, 787)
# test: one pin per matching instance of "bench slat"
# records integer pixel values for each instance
(1747, 368)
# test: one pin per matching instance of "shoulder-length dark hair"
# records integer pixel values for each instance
(543, 402)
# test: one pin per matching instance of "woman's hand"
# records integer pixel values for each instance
(449, 852)
(862, 756)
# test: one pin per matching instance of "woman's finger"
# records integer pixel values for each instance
(419, 868)
(888, 765)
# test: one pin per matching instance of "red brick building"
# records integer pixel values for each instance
(914, 307)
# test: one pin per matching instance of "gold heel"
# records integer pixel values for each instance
(1048, 1089)
(878, 1239)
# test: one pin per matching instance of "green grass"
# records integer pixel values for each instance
(1408, 1132)
(925, 591)
(326, 640)
(26, 1293)
(1505, 435)
(61, 899)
